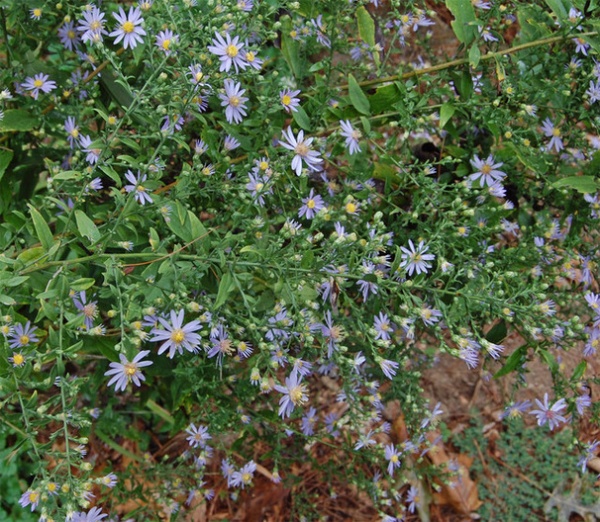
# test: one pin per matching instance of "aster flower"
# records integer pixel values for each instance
(581, 46)
(552, 132)
(176, 337)
(303, 151)
(486, 170)
(221, 344)
(352, 136)
(582, 403)
(110, 480)
(245, 5)
(92, 25)
(35, 13)
(229, 51)
(233, 101)
(93, 154)
(129, 29)
(550, 415)
(258, 187)
(164, 39)
(172, 123)
(68, 35)
(40, 82)
(17, 359)
(244, 476)
(594, 91)
(388, 368)
(253, 61)
(295, 394)
(429, 315)
(515, 410)
(141, 195)
(311, 205)
(416, 259)
(196, 74)
(89, 310)
(288, 100)
(230, 143)
(30, 498)
(593, 342)
(198, 436)
(590, 453)
(72, 131)
(93, 515)
(393, 456)
(383, 326)
(127, 371)
(22, 335)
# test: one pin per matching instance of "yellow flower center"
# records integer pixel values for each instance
(350, 208)
(178, 336)
(18, 359)
(394, 459)
(259, 186)
(140, 188)
(128, 27)
(234, 100)
(263, 165)
(71, 35)
(311, 203)
(37, 12)
(296, 394)
(250, 56)
(286, 100)
(301, 149)
(166, 44)
(33, 496)
(95, 26)
(52, 487)
(24, 339)
(426, 313)
(486, 169)
(130, 369)
(555, 132)
(89, 310)
(37, 83)
(232, 51)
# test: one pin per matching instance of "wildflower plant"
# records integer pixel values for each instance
(210, 209)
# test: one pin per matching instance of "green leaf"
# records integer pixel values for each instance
(42, 229)
(83, 284)
(160, 411)
(559, 8)
(15, 281)
(18, 120)
(6, 157)
(474, 56)
(366, 29)
(289, 47)
(497, 333)
(384, 98)
(301, 118)
(110, 172)
(225, 288)
(549, 359)
(31, 254)
(358, 97)
(197, 229)
(86, 227)
(583, 184)
(464, 20)
(66, 175)
(516, 360)
(7, 300)
(446, 112)
(579, 371)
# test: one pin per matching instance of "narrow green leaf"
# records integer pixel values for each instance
(366, 29)
(579, 371)
(358, 97)
(558, 8)
(474, 56)
(302, 119)
(516, 360)
(86, 227)
(289, 47)
(42, 229)
(160, 411)
(111, 173)
(15, 281)
(118, 448)
(446, 112)
(225, 288)
(498, 333)
(6, 157)
(464, 20)
(6, 300)
(583, 184)
(384, 98)
(66, 175)
(83, 284)
(31, 254)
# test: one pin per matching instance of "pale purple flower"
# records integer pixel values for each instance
(593, 343)
(388, 368)
(311, 205)
(516, 410)
(549, 414)
(230, 143)
(245, 5)
(582, 402)
(289, 100)
(93, 515)
(198, 436)
(233, 101)
(309, 421)
(594, 91)
(230, 52)
(89, 310)
(196, 74)
(486, 34)
(221, 344)
(72, 131)
(550, 131)
(352, 136)
(22, 336)
(127, 371)
(332, 334)
(294, 394)
(581, 46)
(93, 154)
(258, 187)
(92, 25)
(493, 349)
(590, 453)
(486, 170)
(30, 498)
(176, 337)
(40, 82)
(429, 315)
(172, 123)
(253, 61)
(320, 31)
(365, 441)
(413, 499)
(393, 456)
(416, 259)
(129, 29)
(383, 326)
(110, 480)
(164, 39)
(593, 300)
(200, 147)
(303, 152)
(136, 186)
(244, 476)
(68, 35)
(35, 13)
